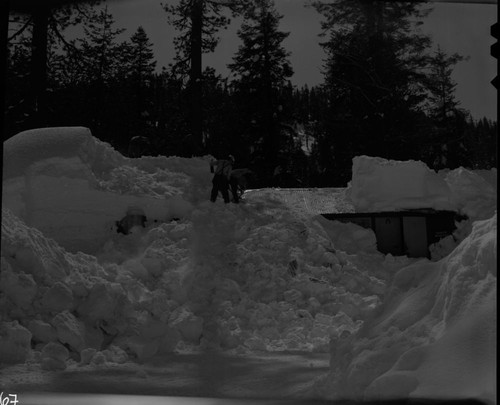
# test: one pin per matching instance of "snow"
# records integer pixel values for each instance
(241, 279)
(74, 188)
(15, 342)
(435, 335)
(54, 356)
(387, 185)
(349, 237)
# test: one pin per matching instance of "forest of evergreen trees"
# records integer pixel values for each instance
(386, 90)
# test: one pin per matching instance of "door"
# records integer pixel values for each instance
(415, 236)
(389, 235)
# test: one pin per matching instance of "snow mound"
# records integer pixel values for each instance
(387, 185)
(223, 278)
(35, 145)
(216, 276)
(15, 343)
(239, 278)
(74, 188)
(349, 237)
(474, 194)
(434, 336)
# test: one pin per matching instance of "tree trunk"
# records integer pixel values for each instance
(39, 64)
(195, 77)
(4, 32)
(267, 101)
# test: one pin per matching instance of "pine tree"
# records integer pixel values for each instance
(139, 75)
(17, 100)
(482, 143)
(104, 59)
(261, 68)
(141, 58)
(449, 122)
(98, 68)
(441, 99)
(170, 114)
(45, 20)
(198, 22)
(375, 55)
(261, 62)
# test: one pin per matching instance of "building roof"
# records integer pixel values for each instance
(305, 202)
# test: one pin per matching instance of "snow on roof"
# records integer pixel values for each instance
(304, 202)
(387, 185)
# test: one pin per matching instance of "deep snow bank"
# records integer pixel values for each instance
(74, 187)
(226, 277)
(36, 145)
(434, 336)
(387, 185)
(223, 277)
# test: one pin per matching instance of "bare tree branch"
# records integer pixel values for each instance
(62, 39)
(21, 30)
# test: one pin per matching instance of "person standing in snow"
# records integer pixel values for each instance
(222, 169)
(238, 182)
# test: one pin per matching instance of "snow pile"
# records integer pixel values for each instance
(239, 278)
(221, 280)
(32, 146)
(74, 188)
(446, 245)
(435, 334)
(349, 237)
(387, 185)
(474, 194)
(216, 276)
(15, 343)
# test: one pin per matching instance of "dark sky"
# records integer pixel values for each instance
(462, 28)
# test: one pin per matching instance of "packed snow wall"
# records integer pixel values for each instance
(381, 185)
(389, 185)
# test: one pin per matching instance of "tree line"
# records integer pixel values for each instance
(386, 90)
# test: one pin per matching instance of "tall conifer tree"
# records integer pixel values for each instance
(262, 69)
(45, 20)
(441, 99)
(104, 59)
(141, 57)
(375, 57)
(198, 22)
(140, 73)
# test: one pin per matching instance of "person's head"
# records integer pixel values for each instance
(231, 159)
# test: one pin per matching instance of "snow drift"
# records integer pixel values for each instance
(388, 185)
(435, 334)
(253, 277)
(215, 276)
(73, 187)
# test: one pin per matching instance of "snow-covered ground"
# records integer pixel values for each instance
(242, 279)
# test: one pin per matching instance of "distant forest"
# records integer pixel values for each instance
(386, 90)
